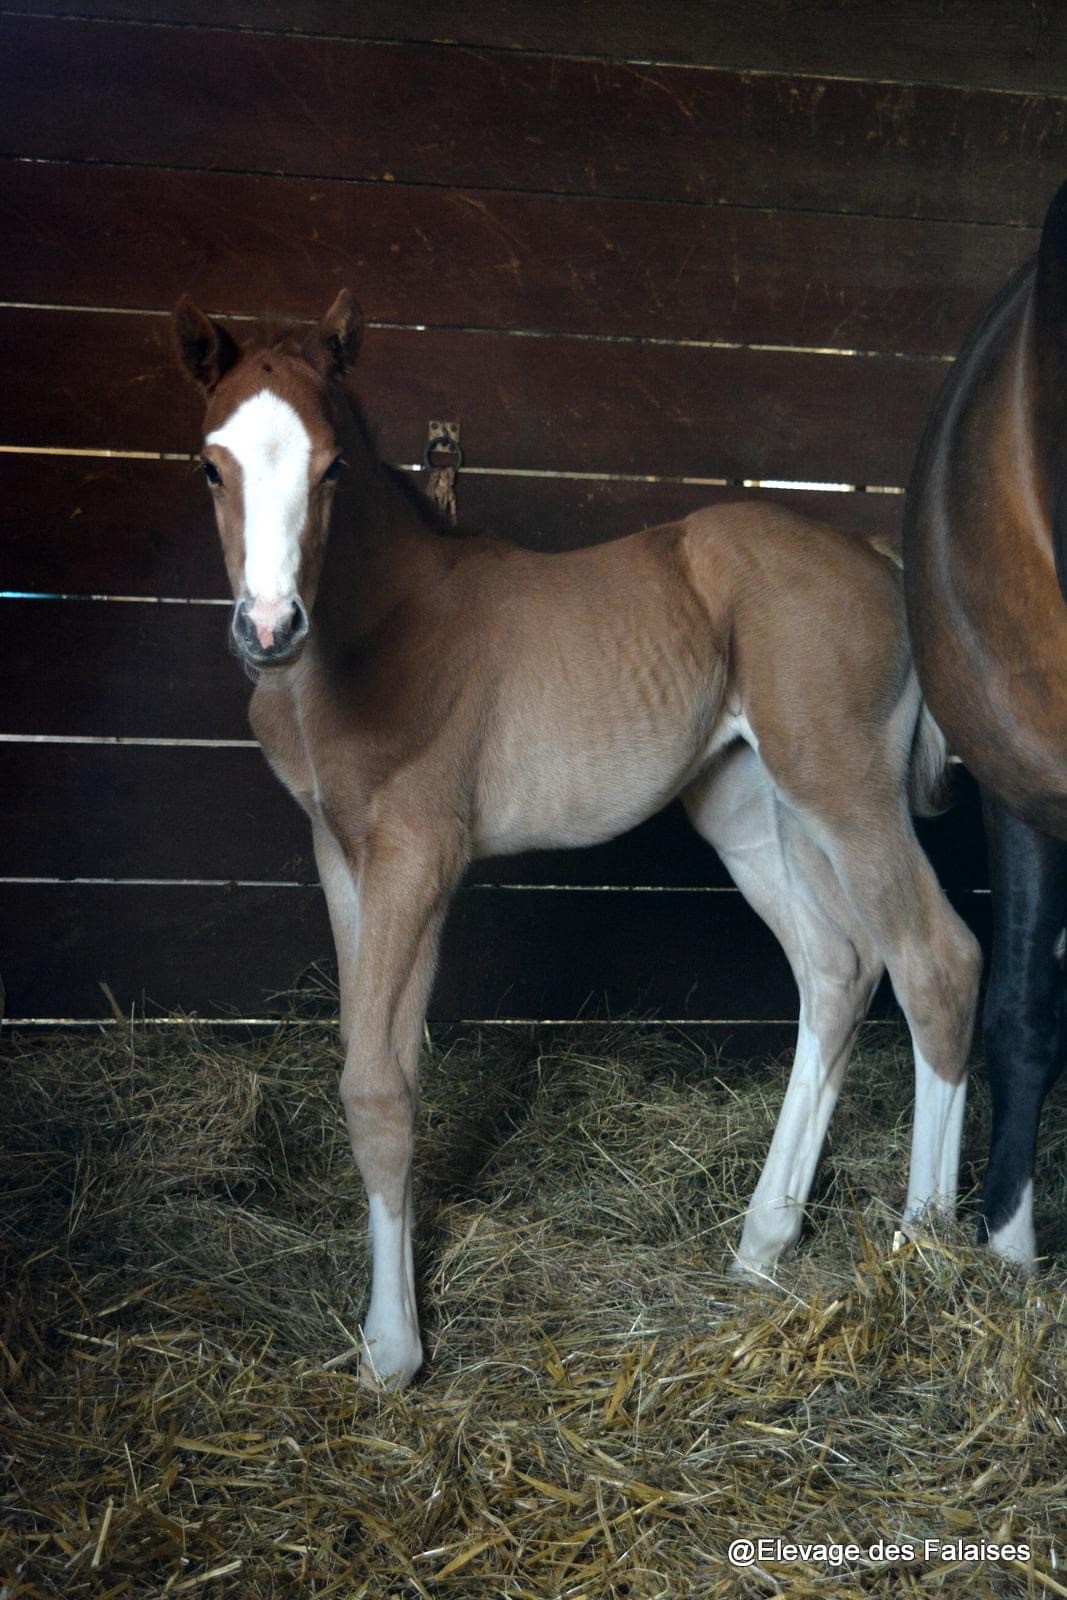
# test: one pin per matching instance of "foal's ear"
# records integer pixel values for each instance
(204, 349)
(337, 340)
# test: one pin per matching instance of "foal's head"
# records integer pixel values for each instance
(271, 456)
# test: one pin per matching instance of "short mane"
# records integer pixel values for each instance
(272, 336)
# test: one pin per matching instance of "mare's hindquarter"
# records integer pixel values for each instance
(987, 618)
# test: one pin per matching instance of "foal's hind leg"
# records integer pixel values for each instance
(1024, 1017)
(788, 881)
(933, 960)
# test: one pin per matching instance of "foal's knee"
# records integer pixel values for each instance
(381, 1125)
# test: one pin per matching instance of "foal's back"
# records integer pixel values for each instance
(616, 673)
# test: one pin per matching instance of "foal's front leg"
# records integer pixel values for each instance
(341, 889)
(405, 885)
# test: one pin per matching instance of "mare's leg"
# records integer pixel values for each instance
(404, 891)
(1023, 1019)
(342, 902)
(786, 878)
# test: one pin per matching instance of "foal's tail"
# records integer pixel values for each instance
(929, 780)
(929, 786)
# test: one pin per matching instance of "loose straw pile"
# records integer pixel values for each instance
(603, 1410)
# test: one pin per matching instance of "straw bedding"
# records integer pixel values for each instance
(603, 1410)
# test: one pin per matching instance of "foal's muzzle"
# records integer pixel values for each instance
(269, 635)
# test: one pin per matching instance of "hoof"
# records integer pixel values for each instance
(1021, 1257)
(1014, 1240)
(753, 1272)
(388, 1365)
(937, 1212)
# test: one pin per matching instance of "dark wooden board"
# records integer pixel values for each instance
(114, 811)
(77, 525)
(80, 526)
(564, 513)
(998, 43)
(106, 811)
(125, 236)
(90, 525)
(507, 954)
(556, 404)
(122, 811)
(85, 668)
(135, 670)
(85, 525)
(95, 91)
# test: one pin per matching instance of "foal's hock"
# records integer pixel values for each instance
(432, 699)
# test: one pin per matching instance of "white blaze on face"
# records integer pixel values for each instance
(269, 442)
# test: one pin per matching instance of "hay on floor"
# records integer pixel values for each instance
(603, 1410)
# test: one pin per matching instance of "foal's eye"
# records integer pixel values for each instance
(333, 471)
(212, 474)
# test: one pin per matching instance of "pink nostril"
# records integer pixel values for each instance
(275, 627)
(268, 617)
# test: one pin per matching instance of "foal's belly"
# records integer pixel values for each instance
(565, 796)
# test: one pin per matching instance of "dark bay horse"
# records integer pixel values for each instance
(431, 699)
(985, 550)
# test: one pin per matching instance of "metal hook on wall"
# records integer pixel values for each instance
(441, 461)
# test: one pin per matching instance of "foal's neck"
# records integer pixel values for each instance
(380, 551)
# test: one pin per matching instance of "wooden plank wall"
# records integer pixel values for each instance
(646, 255)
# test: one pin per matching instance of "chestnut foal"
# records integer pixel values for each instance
(431, 699)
